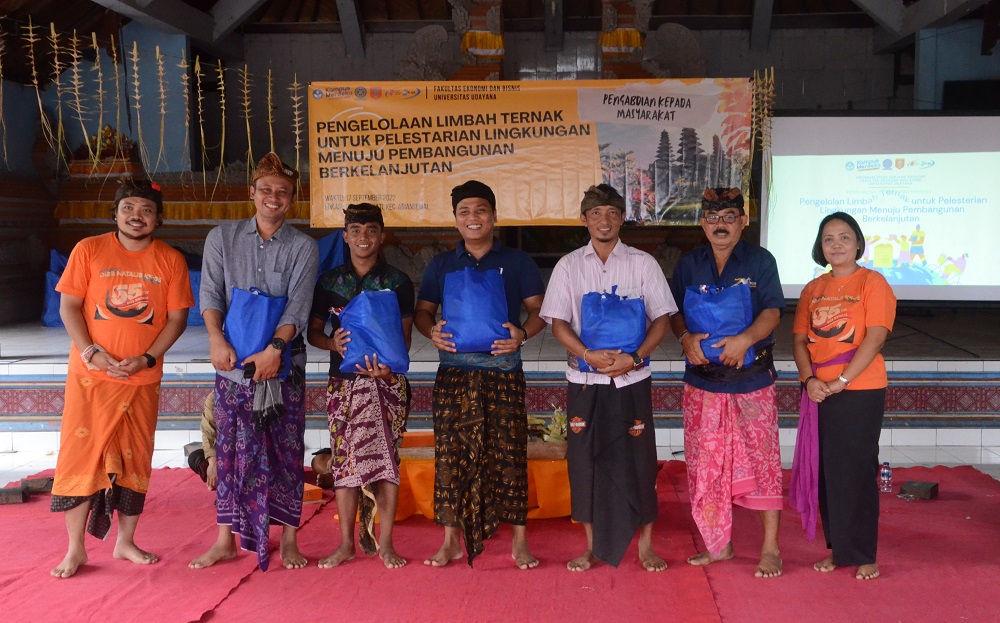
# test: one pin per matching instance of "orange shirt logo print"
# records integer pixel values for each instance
(577, 424)
(637, 428)
(832, 321)
(129, 300)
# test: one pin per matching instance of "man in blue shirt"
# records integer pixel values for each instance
(730, 407)
(480, 421)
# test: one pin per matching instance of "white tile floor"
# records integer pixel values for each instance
(17, 465)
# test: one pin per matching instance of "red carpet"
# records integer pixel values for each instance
(178, 525)
(938, 562)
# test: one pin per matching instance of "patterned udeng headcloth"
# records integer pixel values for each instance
(715, 199)
(601, 195)
(362, 213)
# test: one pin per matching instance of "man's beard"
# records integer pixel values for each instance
(125, 234)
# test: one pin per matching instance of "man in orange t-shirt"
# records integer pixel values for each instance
(125, 300)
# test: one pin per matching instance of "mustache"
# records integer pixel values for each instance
(720, 230)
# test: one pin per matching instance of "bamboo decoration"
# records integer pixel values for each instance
(200, 98)
(57, 69)
(31, 38)
(270, 108)
(221, 75)
(3, 118)
(762, 115)
(296, 90)
(77, 105)
(99, 79)
(186, 92)
(163, 109)
(119, 155)
(137, 95)
(246, 84)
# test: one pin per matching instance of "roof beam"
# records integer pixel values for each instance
(760, 31)
(887, 13)
(227, 15)
(898, 24)
(176, 17)
(350, 25)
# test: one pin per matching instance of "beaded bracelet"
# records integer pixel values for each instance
(90, 351)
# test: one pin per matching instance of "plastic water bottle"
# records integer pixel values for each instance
(885, 478)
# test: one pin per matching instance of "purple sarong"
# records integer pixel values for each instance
(803, 491)
(260, 478)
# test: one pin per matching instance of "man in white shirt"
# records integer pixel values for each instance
(612, 446)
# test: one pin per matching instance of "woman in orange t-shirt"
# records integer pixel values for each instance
(841, 323)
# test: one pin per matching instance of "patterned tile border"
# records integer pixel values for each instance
(924, 399)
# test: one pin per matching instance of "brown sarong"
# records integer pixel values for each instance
(367, 418)
(481, 452)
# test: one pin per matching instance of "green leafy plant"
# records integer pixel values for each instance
(552, 430)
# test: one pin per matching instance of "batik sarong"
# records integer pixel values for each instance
(612, 463)
(367, 419)
(260, 472)
(105, 446)
(480, 452)
(733, 457)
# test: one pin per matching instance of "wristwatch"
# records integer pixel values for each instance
(278, 343)
(150, 360)
(843, 380)
(636, 360)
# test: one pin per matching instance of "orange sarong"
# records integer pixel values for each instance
(107, 428)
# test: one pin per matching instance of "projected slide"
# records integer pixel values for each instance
(930, 218)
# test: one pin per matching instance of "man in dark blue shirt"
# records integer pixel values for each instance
(730, 406)
(480, 421)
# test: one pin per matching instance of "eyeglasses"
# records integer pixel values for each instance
(726, 218)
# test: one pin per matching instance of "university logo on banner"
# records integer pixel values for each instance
(538, 144)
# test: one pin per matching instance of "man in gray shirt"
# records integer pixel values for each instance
(260, 396)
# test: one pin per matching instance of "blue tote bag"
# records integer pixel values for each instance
(475, 309)
(250, 323)
(376, 327)
(720, 312)
(612, 322)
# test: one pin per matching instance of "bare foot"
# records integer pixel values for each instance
(221, 550)
(867, 572)
(523, 558)
(826, 565)
(447, 553)
(389, 556)
(582, 562)
(73, 561)
(769, 566)
(651, 562)
(344, 553)
(129, 551)
(706, 558)
(291, 557)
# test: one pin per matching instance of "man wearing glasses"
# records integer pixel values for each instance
(730, 406)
